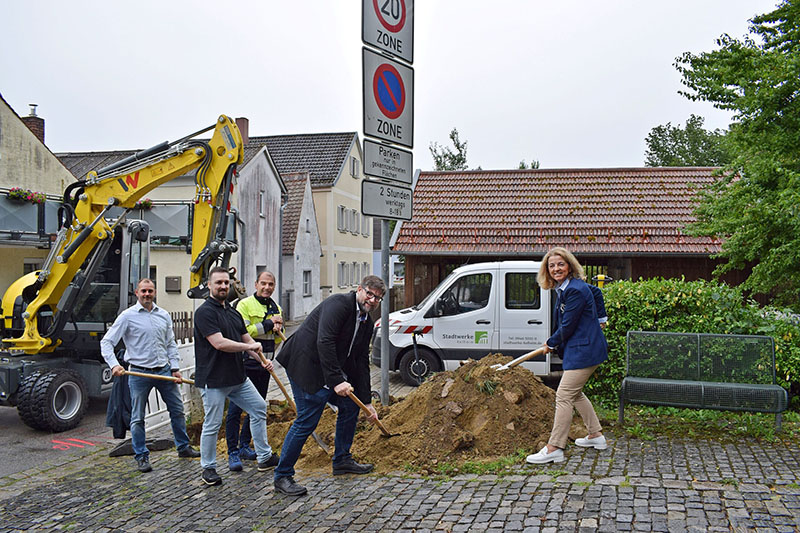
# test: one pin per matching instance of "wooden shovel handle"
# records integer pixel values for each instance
(523, 358)
(283, 390)
(156, 376)
(368, 412)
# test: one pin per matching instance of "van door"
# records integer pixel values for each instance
(524, 316)
(464, 317)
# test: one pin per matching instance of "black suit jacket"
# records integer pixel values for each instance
(317, 354)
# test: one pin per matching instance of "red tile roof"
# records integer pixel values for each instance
(296, 188)
(619, 211)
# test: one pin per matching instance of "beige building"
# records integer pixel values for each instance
(26, 162)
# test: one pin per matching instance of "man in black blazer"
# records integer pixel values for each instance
(324, 359)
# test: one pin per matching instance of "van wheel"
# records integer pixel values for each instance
(415, 372)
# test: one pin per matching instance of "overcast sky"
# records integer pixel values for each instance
(571, 83)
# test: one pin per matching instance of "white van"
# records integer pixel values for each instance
(479, 309)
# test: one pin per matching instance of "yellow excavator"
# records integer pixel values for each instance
(53, 319)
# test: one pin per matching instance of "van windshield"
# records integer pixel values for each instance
(424, 302)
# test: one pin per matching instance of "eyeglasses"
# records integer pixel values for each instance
(373, 296)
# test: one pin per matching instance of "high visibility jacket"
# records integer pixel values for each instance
(255, 313)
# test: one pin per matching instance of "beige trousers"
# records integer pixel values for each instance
(570, 395)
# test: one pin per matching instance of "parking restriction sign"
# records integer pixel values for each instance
(389, 26)
(388, 99)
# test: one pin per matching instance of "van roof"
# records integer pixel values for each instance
(496, 265)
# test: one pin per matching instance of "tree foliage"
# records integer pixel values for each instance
(445, 158)
(693, 146)
(755, 204)
(533, 164)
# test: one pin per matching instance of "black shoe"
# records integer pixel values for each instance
(352, 467)
(210, 477)
(272, 462)
(188, 452)
(286, 485)
(144, 464)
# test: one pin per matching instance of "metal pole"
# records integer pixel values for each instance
(385, 312)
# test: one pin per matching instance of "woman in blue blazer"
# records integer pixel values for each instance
(583, 347)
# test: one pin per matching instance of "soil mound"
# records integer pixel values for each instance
(474, 413)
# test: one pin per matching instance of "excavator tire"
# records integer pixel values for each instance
(59, 400)
(25, 406)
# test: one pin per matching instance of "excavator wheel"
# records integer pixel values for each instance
(58, 400)
(25, 406)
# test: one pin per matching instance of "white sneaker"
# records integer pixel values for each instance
(556, 456)
(598, 443)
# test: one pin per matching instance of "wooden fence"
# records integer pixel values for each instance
(183, 326)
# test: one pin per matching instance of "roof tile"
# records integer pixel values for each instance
(589, 211)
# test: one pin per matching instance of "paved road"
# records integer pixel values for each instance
(661, 485)
(22, 447)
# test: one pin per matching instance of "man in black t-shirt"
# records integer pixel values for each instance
(220, 340)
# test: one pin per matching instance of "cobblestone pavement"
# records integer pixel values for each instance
(634, 485)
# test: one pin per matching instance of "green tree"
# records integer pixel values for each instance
(753, 206)
(533, 164)
(693, 146)
(446, 159)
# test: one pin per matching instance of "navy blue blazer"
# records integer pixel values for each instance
(317, 354)
(599, 302)
(578, 337)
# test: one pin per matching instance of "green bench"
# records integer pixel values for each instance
(702, 371)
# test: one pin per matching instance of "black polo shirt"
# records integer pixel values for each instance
(215, 369)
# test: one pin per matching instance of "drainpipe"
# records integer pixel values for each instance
(242, 251)
(284, 203)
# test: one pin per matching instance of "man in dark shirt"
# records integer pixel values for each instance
(220, 339)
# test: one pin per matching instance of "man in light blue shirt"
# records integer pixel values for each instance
(150, 347)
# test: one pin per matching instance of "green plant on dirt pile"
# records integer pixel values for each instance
(487, 386)
(675, 305)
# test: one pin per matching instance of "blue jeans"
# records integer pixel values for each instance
(237, 440)
(246, 396)
(140, 390)
(309, 411)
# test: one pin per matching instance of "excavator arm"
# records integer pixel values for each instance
(86, 231)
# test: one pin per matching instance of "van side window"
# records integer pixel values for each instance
(522, 291)
(467, 294)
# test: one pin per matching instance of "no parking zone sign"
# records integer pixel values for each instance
(388, 99)
(389, 25)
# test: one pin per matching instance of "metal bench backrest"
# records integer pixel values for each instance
(701, 357)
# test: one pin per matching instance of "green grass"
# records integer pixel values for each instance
(498, 466)
(647, 423)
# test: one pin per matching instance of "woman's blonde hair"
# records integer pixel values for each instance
(544, 278)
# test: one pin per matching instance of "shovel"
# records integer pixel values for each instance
(369, 413)
(317, 438)
(157, 376)
(520, 359)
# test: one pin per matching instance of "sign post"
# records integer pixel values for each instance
(388, 96)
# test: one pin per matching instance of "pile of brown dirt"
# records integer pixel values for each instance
(474, 413)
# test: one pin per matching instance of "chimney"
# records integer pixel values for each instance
(35, 123)
(244, 128)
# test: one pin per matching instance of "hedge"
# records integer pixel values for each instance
(676, 305)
